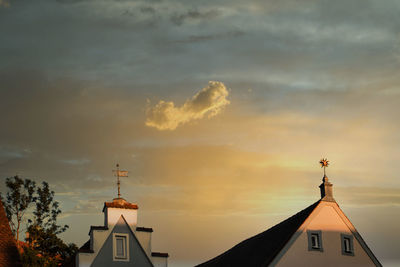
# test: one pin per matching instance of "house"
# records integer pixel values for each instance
(319, 235)
(9, 256)
(120, 242)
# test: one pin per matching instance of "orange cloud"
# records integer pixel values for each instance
(208, 101)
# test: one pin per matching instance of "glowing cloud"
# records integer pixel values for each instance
(208, 101)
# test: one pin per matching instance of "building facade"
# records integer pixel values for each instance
(120, 242)
(9, 256)
(320, 235)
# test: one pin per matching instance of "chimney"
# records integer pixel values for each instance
(326, 190)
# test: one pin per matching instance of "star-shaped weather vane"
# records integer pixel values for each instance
(324, 163)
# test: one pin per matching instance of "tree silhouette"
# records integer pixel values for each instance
(19, 198)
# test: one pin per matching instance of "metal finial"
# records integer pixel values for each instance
(119, 173)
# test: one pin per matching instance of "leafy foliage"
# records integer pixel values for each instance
(19, 198)
(46, 212)
(43, 246)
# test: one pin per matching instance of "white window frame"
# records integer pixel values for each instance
(115, 257)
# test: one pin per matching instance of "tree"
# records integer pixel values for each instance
(43, 246)
(43, 230)
(18, 199)
(47, 210)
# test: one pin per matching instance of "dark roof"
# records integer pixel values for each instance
(144, 229)
(86, 248)
(159, 254)
(94, 227)
(260, 250)
(9, 255)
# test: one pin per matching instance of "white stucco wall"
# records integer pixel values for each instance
(98, 237)
(159, 261)
(145, 241)
(84, 259)
(111, 216)
(329, 219)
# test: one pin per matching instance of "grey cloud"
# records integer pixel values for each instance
(179, 19)
(4, 3)
(210, 37)
(76, 161)
(148, 9)
(71, 1)
(60, 115)
(312, 44)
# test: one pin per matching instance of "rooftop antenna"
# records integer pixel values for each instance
(119, 173)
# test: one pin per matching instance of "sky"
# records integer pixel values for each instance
(220, 111)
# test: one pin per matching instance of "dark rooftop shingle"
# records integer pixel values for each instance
(144, 229)
(160, 254)
(86, 248)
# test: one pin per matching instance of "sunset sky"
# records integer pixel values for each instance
(220, 111)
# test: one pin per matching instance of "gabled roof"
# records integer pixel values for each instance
(86, 248)
(160, 254)
(9, 255)
(261, 249)
(95, 227)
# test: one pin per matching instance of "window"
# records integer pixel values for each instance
(120, 247)
(314, 240)
(347, 244)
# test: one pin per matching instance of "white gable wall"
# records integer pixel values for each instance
(98, 240)
(330, 220)
(111, 216)
(84, 259)
(145, 240)
(160, 261)
(98, 237)
(137, 256)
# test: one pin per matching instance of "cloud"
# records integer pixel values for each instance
(69, 1)
(357, 196)
(4, 3)
(209, 101)
(209, 37)
(179, 19)
(148, 9)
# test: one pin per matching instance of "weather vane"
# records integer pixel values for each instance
(324, 163)
(119, 173)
